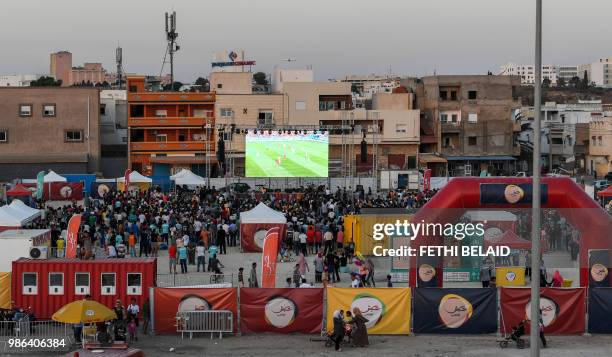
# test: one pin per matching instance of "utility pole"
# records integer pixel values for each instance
(171, 36)
(534, 336)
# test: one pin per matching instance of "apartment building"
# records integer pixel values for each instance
(472, 117)
(599, 73)
(49, 128)
(17, 80)
(169, 131)
(61, 68)
(527, 72)
(599, 159)
(113, 131)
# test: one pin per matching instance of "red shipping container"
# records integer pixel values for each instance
(47, 285)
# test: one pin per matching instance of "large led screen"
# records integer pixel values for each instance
(286, 153)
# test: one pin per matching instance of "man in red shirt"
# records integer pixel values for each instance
(172, 257)
(310, 238)
(318, 240)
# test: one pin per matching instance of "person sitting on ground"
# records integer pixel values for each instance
(305, 284)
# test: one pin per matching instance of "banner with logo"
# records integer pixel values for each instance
(59, 191)
(563, 309)
(503, 194)
(268, 258)
(600, 310)
(99, 189)
(40, 182)
(428, 275)
(72, 236)
(386, 309)
(510, 276)
(599, 265)
(281, 310)
(168, 301)
(252, 235)
(438, 310)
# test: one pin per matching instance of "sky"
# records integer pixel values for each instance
(335, 37)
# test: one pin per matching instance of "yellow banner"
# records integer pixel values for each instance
(360, 228)
(387, 309)
(5, 290)
(510, 276)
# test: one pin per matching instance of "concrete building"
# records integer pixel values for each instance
(49, 128)
(169, 131)
(472, 117)
(18, 80)
(599, 73)
(113, 131)
(231, 82)
(567, 73)
(280, 76)
(599, 159)
(527, 72)
(62, 69)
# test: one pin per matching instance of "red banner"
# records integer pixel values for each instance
(563, 310)
(169, 301)
(268, 259)
(252, 235)
(73, 233)
(126, 178)
(281, 310)
(60, 191)
(427, 180)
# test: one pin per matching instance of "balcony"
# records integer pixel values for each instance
(170, 121)
(170, 146)
(169, 97)
(451, 127)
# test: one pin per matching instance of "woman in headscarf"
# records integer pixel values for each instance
(557, 280)
(360, 331)
(338, 334)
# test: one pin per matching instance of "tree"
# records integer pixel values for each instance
(546, 83)
(585, 81)
(260, 78)
(354, 88)
(561, 83)
(203, 83)
(175, 87)
(574, 82)
(46, 82)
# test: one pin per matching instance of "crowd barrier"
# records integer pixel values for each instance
(213, 321)
(25, 329)
(389, 310)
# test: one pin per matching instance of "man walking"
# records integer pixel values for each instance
(253, 277)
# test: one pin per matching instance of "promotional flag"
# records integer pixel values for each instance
(386, 309)
(65, 191)
(599, 265)
(169, 301)
(40, 183)
(438, 310)
(268, 259)
(285, 310)
(126, 182)
(427, 180)
(563, 309)
(73, 233)
(510, 276)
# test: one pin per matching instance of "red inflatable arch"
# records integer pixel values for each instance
(463, 193)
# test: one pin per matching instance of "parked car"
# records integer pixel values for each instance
(601, 184)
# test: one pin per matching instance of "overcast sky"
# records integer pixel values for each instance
(336, 37)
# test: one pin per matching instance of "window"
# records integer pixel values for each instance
(133, 89)
(56, 283)
(599, 139)
(107, 281)
(202, 113)
(81, 284)
(48, 110)
(25, 110)
(161, 113)
(102, 109)
(472, 118)
(447, 142)
(137, 111)
(30, 284)
(453, 95)
(593, 140)
(3, 136)
(443, 95)
(300, 105)
(557, 141)
(454, 118)
(134, 284)
(400, 128)
(74, 135)
(161, 138)
(472, 141)
(472, 94)
(443, 118)
(226, 112)
(219, 85)
(265, 118)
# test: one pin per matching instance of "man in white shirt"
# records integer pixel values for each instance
(305, 284)
(185, 240)
(200, 252)
(355, 282)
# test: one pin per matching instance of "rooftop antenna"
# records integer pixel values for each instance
(119, 61)
(171, 36)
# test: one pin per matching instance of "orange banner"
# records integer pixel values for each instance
(73, 233)
(268, 259)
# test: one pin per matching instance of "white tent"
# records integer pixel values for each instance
(17, 214)
(190, 179)
(53, 177)
(24, 209)
(262, 214)
(136, 177)
(180, 174)
(9, 218)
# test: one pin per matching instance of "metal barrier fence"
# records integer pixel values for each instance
(219, 321)
(34, 330)
(201, 279)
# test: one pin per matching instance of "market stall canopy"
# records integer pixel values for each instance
(86, 311)
(190, 179)
(511, 240)
(262, 214)
(17, 214)
(19, 191)
(180, 174)
(136, 177)
(605, 193)
(53, 177)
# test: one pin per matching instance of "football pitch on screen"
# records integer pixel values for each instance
(302, 158)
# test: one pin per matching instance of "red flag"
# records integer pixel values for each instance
(73, 232)
(427, 180)
(126, 180)
(268, 259)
